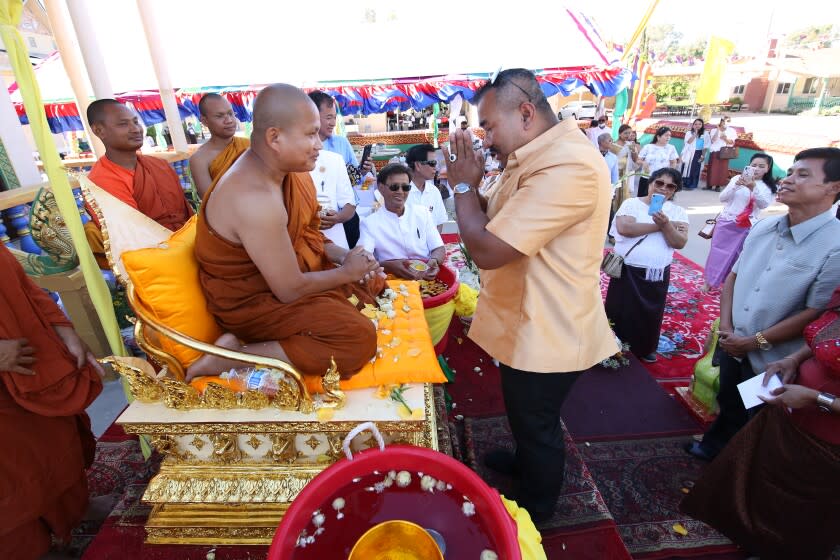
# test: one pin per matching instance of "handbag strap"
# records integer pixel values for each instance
(627, 254)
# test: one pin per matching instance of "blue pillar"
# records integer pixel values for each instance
(80, 204)
(4, 238)
(19, 218)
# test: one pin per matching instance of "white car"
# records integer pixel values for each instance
(578, 110)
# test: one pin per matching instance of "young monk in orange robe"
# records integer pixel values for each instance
(216, 156)
(47, 379)
(270, 277)
(145, 183)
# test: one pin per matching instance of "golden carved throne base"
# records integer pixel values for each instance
(228, 476)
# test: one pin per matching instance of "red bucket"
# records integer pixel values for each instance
(438, 318)
(346, 483)
(448, 277)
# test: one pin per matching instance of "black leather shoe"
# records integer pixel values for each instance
(502, 461)
(696, 449)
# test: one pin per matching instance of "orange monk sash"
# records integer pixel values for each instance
(152, 188)
(227, 157)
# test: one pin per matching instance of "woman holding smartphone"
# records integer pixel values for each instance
(744, 197)
(647, 230)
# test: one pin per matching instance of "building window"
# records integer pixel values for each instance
(32, 42)
(810, 86)
(739, 89)
(783, 87)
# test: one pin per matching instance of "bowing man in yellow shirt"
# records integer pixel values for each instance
(538, 241)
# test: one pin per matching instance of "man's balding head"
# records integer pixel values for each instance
(512, 110)
(115, 124)
(286, 124)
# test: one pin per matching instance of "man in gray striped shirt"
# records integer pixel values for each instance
(785, 276)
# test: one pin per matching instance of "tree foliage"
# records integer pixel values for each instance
(816, 36)
(673, 89)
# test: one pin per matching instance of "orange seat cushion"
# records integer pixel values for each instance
(165, 280)
(411, 360)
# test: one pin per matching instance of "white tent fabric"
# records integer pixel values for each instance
(215, 43)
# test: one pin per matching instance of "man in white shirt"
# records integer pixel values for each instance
(335, 195)
(402, 237)
(604, 143)
(421, 161)
(596, 128)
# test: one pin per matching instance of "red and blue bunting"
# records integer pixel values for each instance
(403, 94)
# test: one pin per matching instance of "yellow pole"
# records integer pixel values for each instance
(628, 48)
(10, 12)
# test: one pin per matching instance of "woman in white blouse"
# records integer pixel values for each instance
(636, 302)
(745, 197)
(717, 175)
(659, 154)
(697, 142)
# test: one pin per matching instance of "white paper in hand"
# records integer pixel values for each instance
(751, 389)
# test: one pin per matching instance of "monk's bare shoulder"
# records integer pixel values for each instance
(203, 155)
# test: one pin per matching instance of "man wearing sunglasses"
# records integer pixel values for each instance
(402, 236)
(421, 160)
(538, 241)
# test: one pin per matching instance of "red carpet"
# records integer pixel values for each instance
(582, 527)
(642, 483)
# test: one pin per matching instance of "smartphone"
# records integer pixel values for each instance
(365, 154)
(749, 173)
(656, 202)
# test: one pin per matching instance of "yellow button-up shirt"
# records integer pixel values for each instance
(543, 312)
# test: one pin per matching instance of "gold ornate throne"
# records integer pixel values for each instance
(232, 463)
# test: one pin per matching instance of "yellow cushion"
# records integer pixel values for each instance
(165, 280)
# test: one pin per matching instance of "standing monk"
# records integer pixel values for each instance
(47, 379)
(271, 278)
(145, 183)
(216, 156)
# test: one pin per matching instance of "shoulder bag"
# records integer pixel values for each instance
(613, 262)
(708, 230)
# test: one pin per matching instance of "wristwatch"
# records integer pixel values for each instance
(763, 343)
(824, 401)
(462, 188)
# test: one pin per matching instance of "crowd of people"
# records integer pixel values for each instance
(285, 263)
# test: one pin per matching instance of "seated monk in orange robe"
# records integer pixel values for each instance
(270, 277)
(47, 379)
(145, 183)
(215, 156)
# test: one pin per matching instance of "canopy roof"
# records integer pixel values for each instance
(411, 61)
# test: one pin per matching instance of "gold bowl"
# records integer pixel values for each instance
(396, 540)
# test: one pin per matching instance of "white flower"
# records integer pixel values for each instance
(488, 555)
(468, 508)
(338, 503)
(427, 483)
(403, 479)
(318, 519)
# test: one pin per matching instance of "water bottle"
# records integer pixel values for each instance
(254, 379)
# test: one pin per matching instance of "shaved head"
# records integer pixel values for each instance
(207, 98)
(280, 106)
(286, 125)
(96, 111)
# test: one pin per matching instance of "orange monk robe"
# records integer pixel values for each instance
(311, 329)
(227, 157)
(44, 431)
(152, 188)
